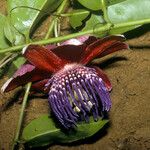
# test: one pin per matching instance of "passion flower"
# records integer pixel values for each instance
(75, 91)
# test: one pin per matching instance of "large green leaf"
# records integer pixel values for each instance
(12, 35)
(3, 41)
(129, 10)
(22, 18)
(9, 34)
(122, 12)
(42, 131)
(25, 18)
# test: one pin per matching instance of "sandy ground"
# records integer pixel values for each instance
(129, 128)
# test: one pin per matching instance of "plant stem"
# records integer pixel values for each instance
(8, 60)
(57, 29)
(104, 9)
(72, 13)
(5, 58)
(59, 11)
(100, 29)
(57, 39)
(28, 86)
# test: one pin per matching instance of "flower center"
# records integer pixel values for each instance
(75, 92)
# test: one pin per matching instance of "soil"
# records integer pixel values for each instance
(129, 127)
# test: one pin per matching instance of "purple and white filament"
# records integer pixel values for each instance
(76, 92)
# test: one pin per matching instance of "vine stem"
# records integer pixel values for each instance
(104, 28)
(52, 24)
(5, 58)
(28, 86)
(72, 13)
(57, 29)
(104, 9)
(11, 57)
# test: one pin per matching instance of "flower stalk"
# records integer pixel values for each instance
(28, 86)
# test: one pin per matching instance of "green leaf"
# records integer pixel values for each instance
(91, 4)
(3, 41)
(25, 18)
(76, 20)
(129, 10)
(42, 131)
(9, 34)
(112, 2)
(12, 35)
(94, 21)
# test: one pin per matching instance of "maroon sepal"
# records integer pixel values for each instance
(104, 77)
(40, 86)
(27, 73)
(43, 58)
(102, 47)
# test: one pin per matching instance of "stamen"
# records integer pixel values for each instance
(79, 97)
(95, 111)
(68, 104)
(72, 96)
(92, 91)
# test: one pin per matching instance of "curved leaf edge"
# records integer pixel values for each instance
(44, 138)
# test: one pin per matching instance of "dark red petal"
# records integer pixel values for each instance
(27, 73)
(40, 86)
(71, 50)
(104, 77)
(43, 58)
(97, 48)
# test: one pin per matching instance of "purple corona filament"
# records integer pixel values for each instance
(76, 91)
